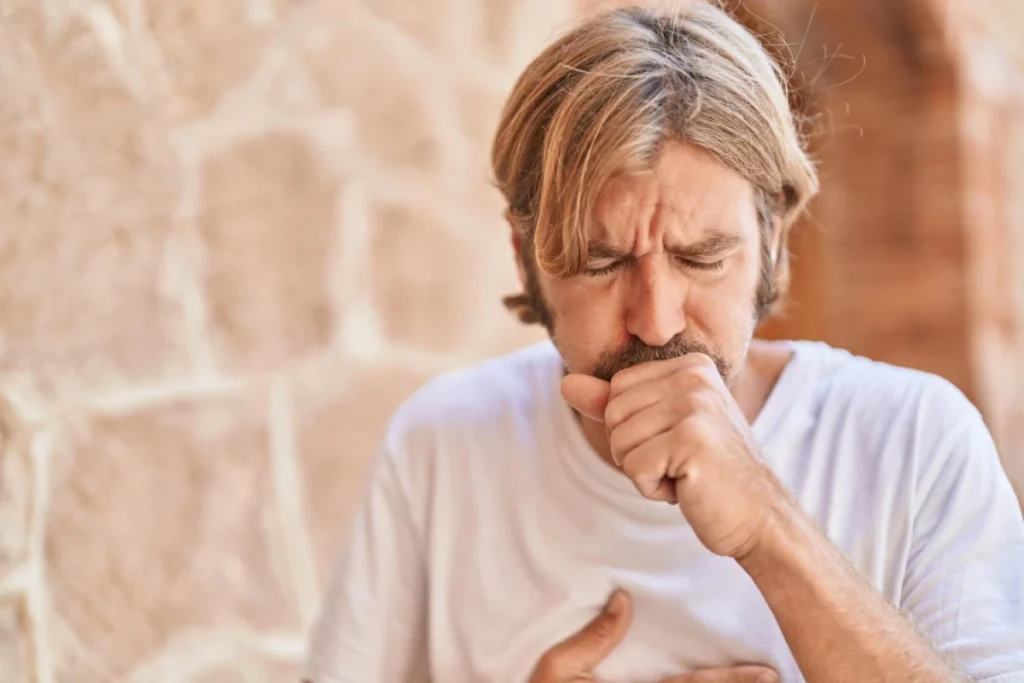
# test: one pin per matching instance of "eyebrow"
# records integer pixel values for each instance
(711, 244)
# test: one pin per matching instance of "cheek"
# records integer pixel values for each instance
(725, 307)
(588, 320)
(737, 290)
(582, 305)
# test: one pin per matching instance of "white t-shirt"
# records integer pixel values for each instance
(491, 530)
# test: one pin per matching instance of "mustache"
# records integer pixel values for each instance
(635, 352)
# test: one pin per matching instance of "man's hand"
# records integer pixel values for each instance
(576, 657)
(676, 431)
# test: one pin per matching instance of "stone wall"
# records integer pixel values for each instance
(235, 234)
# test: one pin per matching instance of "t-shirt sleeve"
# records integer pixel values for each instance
(372, 626)
(964, 584)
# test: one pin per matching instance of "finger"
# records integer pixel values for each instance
(581, 652)
(639, 428)
(737, 674)
(647, 466)
(588, 395)
(624, 405)
(665, 492)
(645, 372)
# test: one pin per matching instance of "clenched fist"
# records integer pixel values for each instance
(676, 431)
(576, 657)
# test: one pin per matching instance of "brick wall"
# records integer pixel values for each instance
(913, 251)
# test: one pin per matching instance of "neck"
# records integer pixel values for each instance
(758, 374)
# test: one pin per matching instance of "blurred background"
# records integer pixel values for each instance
(235, 234)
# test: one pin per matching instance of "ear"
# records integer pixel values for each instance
(517, 245)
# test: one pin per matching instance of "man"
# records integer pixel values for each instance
(729, 509)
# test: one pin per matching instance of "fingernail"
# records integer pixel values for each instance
(615, 602)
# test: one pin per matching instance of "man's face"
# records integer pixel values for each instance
(674, 266)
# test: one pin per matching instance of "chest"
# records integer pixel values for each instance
(529, 555)
(525, 586)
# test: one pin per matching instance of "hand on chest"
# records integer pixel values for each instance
(691, 610)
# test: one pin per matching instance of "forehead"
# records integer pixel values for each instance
(687, 193)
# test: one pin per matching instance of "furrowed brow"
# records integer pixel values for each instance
(597, 251)
(711, 245)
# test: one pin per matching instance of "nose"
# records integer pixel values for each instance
(655, 302)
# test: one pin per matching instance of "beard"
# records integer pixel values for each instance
(635, 352)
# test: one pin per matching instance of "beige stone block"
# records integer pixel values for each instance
(479, 101)
(420, 279)
(400, 96)
(250, 668)
(503, 33)
(515, 31)
(437, 284)
(14, 652)
(208, 48)
(89, 188)
(341, 412)
(429, 24)
(162, 522)
(267, 226)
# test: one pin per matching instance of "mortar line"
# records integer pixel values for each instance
(288, 496)
(37, 597)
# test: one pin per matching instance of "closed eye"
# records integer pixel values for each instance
(604, 270)
(701, 265)
(610, 268)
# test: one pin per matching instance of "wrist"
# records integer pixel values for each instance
(787, 537)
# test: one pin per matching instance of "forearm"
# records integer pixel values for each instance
(839, 629)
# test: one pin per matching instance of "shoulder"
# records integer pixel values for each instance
(900, 424)
(890, 416)
(481, 397)
(884, 392)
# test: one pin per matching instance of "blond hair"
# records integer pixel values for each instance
(603, 100)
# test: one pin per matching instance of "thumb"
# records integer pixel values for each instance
(587, 394)
(579, 653)
(736, 674)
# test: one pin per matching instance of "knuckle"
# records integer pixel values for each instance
(690, 402)
(699, 429)
(648, 488)
(614, 413)
(680, 432)
(757, 674)
(601, 629)
(701, 366)
(706, 377)
(683, 377)
(632, 466)
(547, 668)
(643, 474)
(692, 432)
(616, 443)
(620, 380)
(703, 360)
(701, 401)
